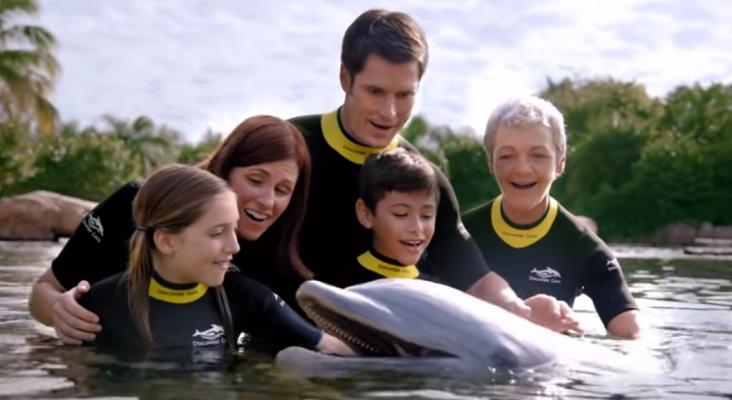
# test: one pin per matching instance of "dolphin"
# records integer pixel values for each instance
(413, 325)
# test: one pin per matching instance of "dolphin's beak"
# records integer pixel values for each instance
(355, 319)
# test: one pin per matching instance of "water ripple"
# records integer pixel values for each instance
(685, 301)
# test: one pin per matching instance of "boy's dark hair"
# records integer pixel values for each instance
(393, 35)
(395, 170)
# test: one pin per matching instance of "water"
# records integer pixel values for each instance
(687, 301)
(194, 64)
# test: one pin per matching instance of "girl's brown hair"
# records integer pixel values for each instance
(172, 198)
(264, 139)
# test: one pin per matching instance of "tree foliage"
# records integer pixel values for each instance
(635, 163)
(28, 68)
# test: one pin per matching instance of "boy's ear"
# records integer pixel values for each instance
(365, 216)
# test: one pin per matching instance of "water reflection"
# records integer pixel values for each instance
(688, 303)
(102, 375)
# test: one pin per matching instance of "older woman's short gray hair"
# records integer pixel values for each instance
(526, 111)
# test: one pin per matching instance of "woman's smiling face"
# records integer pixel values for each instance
(264, 191)
(525, 162)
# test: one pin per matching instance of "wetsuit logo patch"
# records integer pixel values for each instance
(547, 275)
(279, 300)
(94, 226)
(612, 264)
(210, 337)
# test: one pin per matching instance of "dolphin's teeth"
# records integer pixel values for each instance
(335, 329)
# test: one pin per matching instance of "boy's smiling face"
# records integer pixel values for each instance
(402, 224)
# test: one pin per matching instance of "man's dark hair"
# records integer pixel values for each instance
(395, 170)
(393, 35)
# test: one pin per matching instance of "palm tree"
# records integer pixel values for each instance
(147, 142)
(27, 67)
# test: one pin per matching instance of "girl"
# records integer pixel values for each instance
(179, 291)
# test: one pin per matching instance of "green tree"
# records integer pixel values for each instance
(468, 172)
(721, 164)
(696, 116)
(667, 186)
(15, 155)
(80, 163)
(426, 139)
(28, 67)
(604, 160)
(590, 104)
(149, 144)
(193, 154)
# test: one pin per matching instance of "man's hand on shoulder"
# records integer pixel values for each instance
(72, 322)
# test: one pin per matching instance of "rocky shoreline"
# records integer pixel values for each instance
(41, 215)
(710, 246)
(690, 234)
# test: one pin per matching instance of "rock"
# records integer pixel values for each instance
(706, 230)
(41, 215)
(712, 242)
(688, 234)
(589, 222)
(708, 251)
(723, 232)
(676, 234)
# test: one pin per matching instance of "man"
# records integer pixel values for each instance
(383, 58)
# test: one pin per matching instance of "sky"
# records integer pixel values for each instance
(194, 64)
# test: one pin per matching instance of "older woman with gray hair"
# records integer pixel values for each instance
(527, 237)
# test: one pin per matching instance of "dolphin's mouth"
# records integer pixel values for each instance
(363, 339)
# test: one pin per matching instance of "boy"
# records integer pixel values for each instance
(398, 194)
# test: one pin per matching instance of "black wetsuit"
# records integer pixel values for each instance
(187, 317)
(332, 238)
(99, 249)
(368, 266)
(558, 256)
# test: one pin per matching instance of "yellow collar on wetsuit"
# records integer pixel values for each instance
(373, 264)
(177, 296)
(350, 150)
(518, 238)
